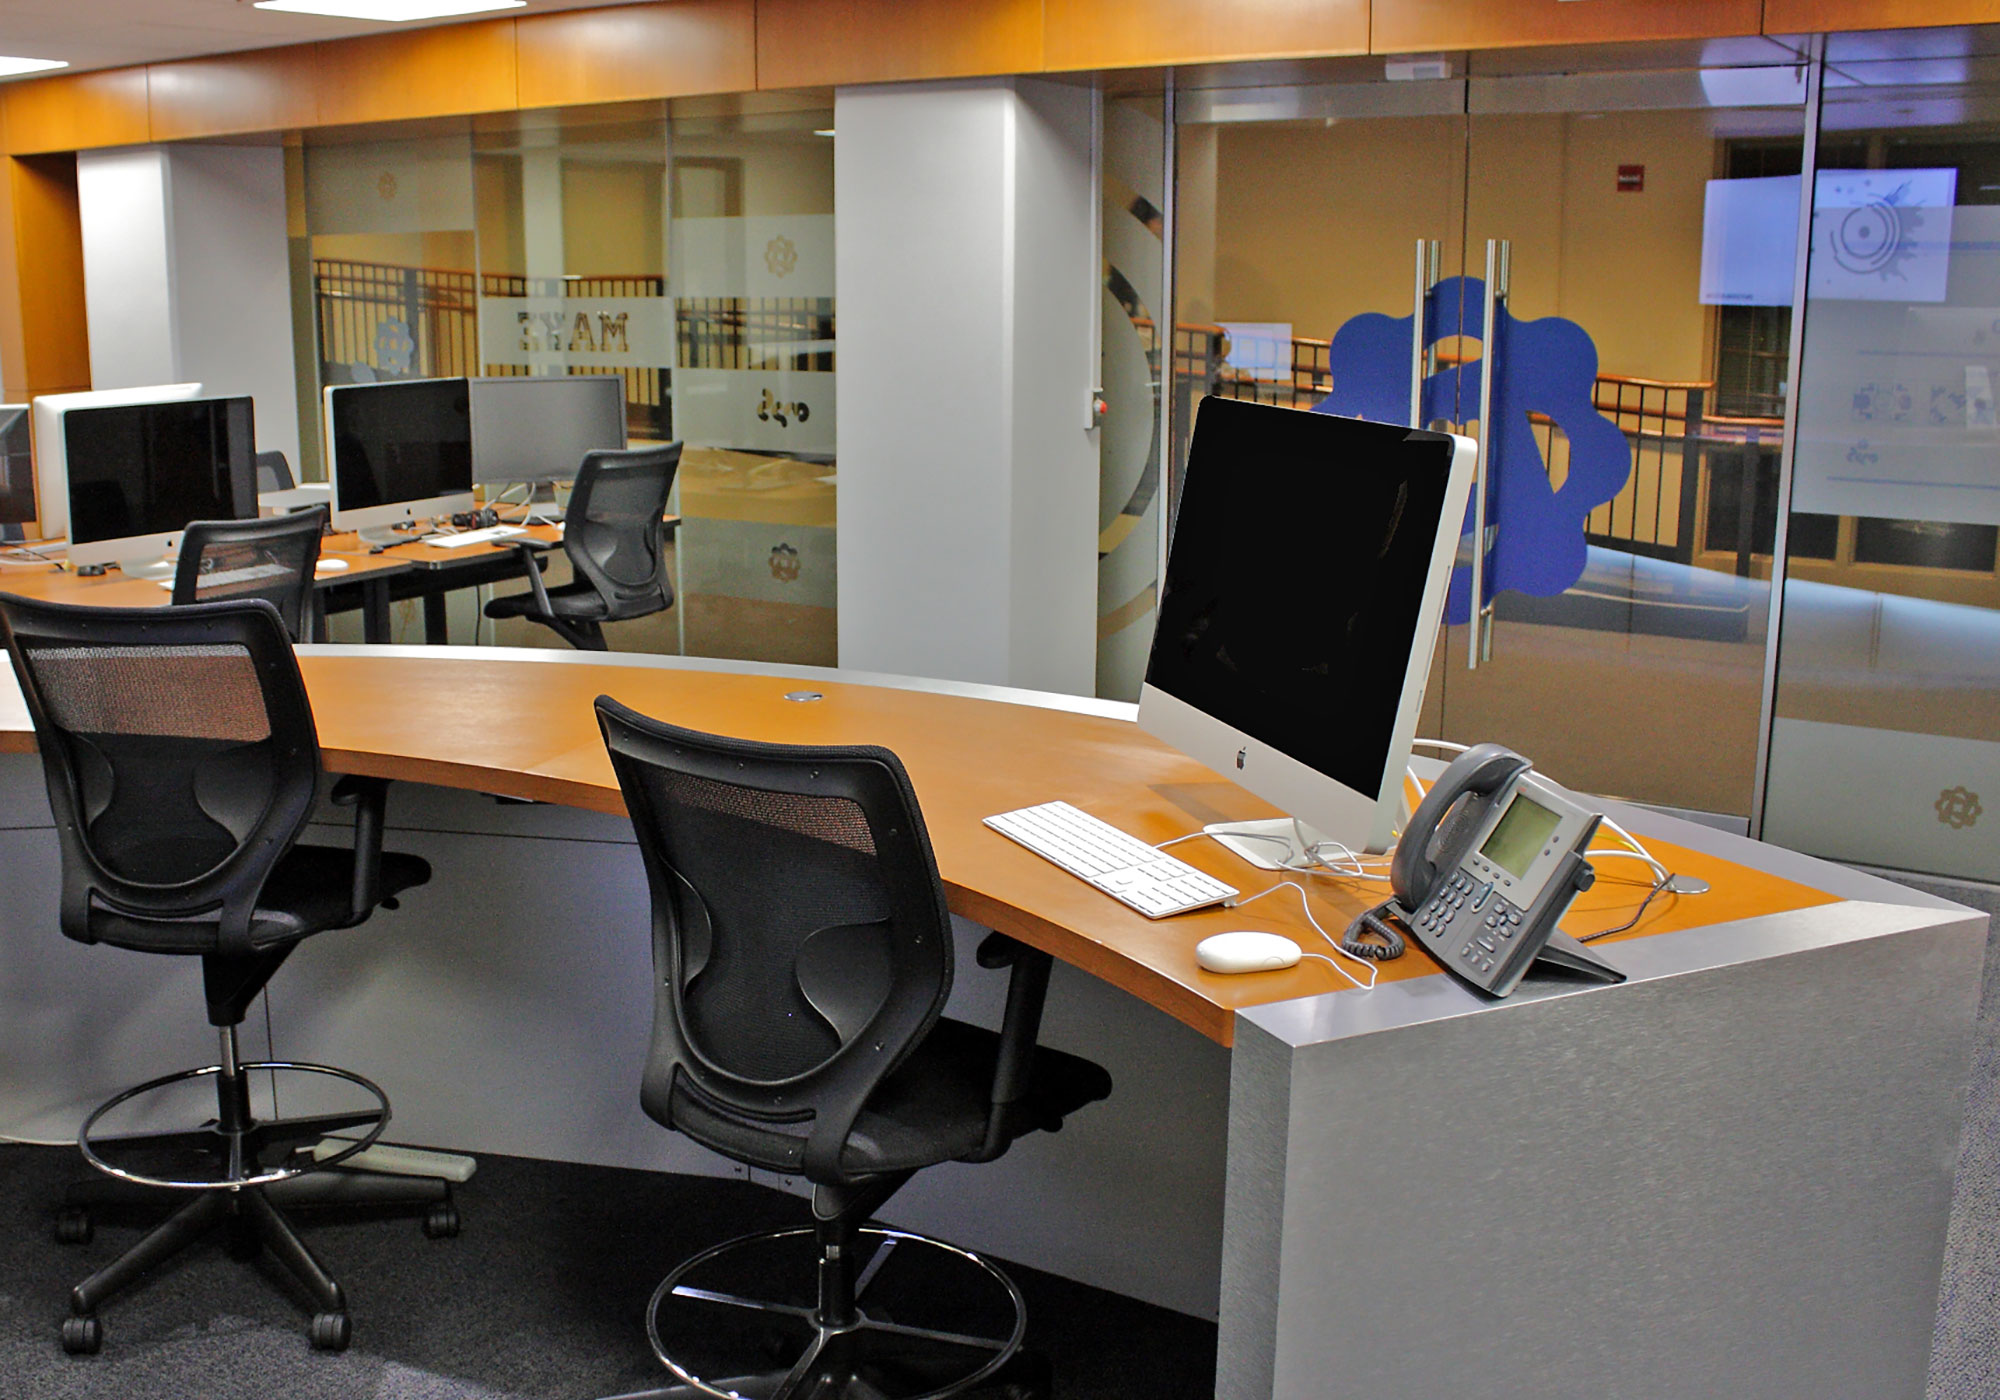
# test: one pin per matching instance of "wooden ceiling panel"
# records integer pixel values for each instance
(266, 90)
(1133, 33)
(821, 43)
(448, 71)
(72, 111)
(632, 52)
(1828, 16)
(1415, 26)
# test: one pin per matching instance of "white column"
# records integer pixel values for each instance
(187, 277)
(967, 272)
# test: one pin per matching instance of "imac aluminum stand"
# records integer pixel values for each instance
(1278, 843)
(542, 506)
(381, 534)
(157, 566)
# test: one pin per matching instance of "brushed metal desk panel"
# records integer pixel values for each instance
(1730, 1176)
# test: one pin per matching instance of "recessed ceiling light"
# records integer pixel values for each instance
(389, 11)
(13, 67)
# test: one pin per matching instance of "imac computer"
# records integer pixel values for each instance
(17, 470)
(1304, 589)
(51, 459)
(398, 452)
(533, 430)
(138, 473)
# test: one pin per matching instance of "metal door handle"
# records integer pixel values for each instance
(1430, 257)
(1499, 263)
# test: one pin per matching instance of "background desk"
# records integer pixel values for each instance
(1728, 1176)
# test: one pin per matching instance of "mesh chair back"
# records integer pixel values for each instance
(612, 531)
(800, 934)
(274, 473)
(179, 750)
(272, 559)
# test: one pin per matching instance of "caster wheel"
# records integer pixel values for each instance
(74, 1226)
(82, 1336)
(441, 1221)
(330, 1331)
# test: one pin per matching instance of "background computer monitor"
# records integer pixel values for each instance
(17, 470)
(398, 452)
(530, 428)
(1304, 588)
(138, 473)
(51, 464)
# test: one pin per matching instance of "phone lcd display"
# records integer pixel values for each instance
(1518, 836)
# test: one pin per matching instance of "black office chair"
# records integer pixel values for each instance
(182, 766)
(274, 473)
(272, 559)
(803, 953)
(616, 543)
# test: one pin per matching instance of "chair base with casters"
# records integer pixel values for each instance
(240, 1174)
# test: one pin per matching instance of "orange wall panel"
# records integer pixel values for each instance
(106, 108)
(264, 90)
(816, 43)
(450, 70)
(1406, 26)
(1134, 33)
(629, 52)
(1824, 16)
(54, 353)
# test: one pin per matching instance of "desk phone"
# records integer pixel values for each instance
(1488, 864)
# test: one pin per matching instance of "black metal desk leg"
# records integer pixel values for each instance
(437, 630)
(375, 612)
(316, 616)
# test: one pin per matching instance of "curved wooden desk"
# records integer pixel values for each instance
(519, 723)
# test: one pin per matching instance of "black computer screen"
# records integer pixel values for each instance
(150, 468)
(17, 466)
(1295, 579)
(410, 441)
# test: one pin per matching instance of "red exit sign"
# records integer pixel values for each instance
(1631, 179)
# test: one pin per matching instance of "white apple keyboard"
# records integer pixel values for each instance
(471, 537)
(1119, 864)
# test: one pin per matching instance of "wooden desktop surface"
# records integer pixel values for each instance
(526, 729)
(112, 589)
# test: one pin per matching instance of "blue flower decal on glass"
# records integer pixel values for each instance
(1535, 538)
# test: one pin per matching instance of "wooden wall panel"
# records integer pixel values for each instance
(1136, 33)
(630, 52)
(817, 43)
(266, 90)
(1410, 26)
(68, 113)
(1827, 16)
(450, 70)
(48, 276)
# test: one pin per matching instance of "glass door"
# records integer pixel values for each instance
(1629, 244)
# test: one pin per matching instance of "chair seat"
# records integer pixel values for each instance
(569, 600)
(310, 891)
(933, 1109)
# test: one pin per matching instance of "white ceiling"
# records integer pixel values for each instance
(113, 33)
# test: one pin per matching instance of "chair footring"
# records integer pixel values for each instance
(748, 1318)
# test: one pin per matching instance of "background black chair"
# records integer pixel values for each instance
(616, 543)
(274, 473)
(272, 559)
(803, 954)
(182, 766)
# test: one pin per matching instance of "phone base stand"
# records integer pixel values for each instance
(1570, 956)
(1269, 845)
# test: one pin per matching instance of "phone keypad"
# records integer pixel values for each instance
(1475, 915)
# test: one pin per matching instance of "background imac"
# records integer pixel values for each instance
(138, 473)
(399, 451)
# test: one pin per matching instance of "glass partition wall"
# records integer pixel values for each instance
(1345, 246)
(1885, 732)
(686, 248)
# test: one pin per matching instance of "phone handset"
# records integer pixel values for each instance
(1487, 865)
(1446, 820)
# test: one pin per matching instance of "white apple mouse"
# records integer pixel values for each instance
(331, 566)
(1246, 950)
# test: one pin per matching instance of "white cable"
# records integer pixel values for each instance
(1306, 904)
(1447, 745)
